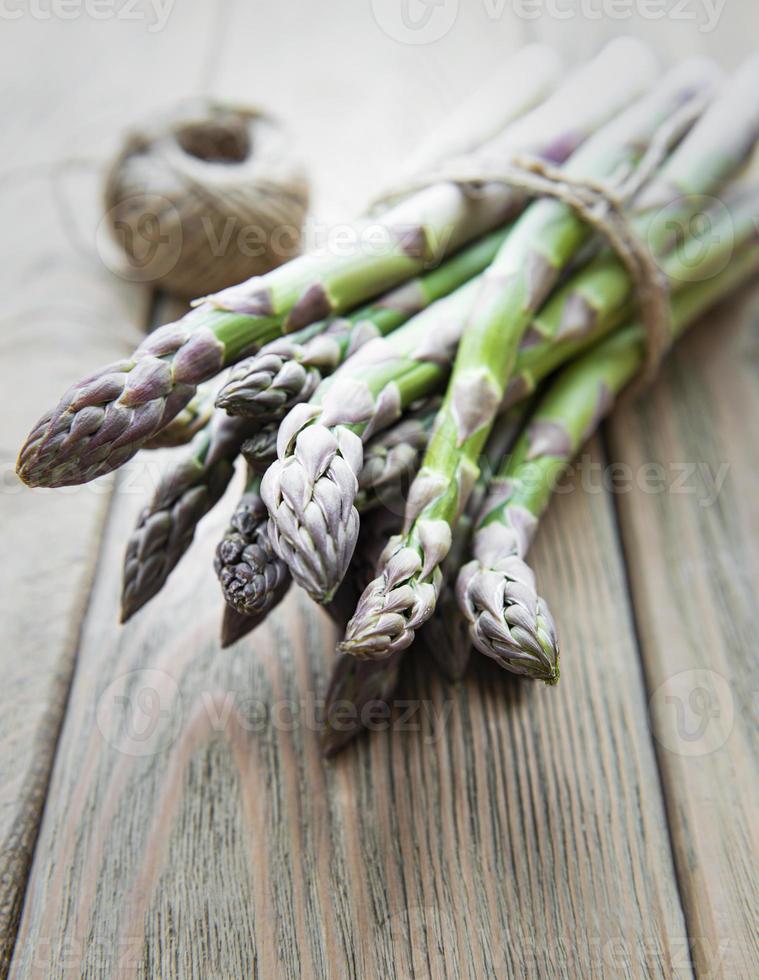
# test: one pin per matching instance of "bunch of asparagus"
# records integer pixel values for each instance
(403, 413)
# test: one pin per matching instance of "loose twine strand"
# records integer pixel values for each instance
(602, 204)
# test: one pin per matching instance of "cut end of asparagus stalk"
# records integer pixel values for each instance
(508, 620)
(355, 687)
(235, 625)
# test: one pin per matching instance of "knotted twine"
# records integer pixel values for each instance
(601, 204)
(206, 196)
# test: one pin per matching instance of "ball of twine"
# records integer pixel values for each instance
(206, 196)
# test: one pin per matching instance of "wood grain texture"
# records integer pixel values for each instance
(500, 829)
(693, 562)
(64, 313)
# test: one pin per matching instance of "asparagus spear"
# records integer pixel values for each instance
(288, 370)
(356, 685)
(310, 490)
(260, 450)
(185, 426)
(496, 590)
(166, 527)
(446, 633)
(103, 420)
(252, 578)
(542, 243)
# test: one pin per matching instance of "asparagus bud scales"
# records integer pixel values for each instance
(252, 578)
(541, 244)
(394, 454)
(186, 425)
(260, 450)
(102, 421)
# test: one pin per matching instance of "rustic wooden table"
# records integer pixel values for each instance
(605, 828)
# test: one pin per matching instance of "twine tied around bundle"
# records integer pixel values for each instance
(205, 196)
(601, 204)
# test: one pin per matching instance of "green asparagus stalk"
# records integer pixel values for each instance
(599, 297)
(289, 370)
(484, 113)
(496, 591)
(252, 578)
(166, 527)
(555, 335)
(446, 633)
(394, 454)
(185, 426)
(541, 245)
(101, 421)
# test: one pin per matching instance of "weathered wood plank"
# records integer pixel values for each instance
(692, 543)
(63, 312)
(502, 830)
